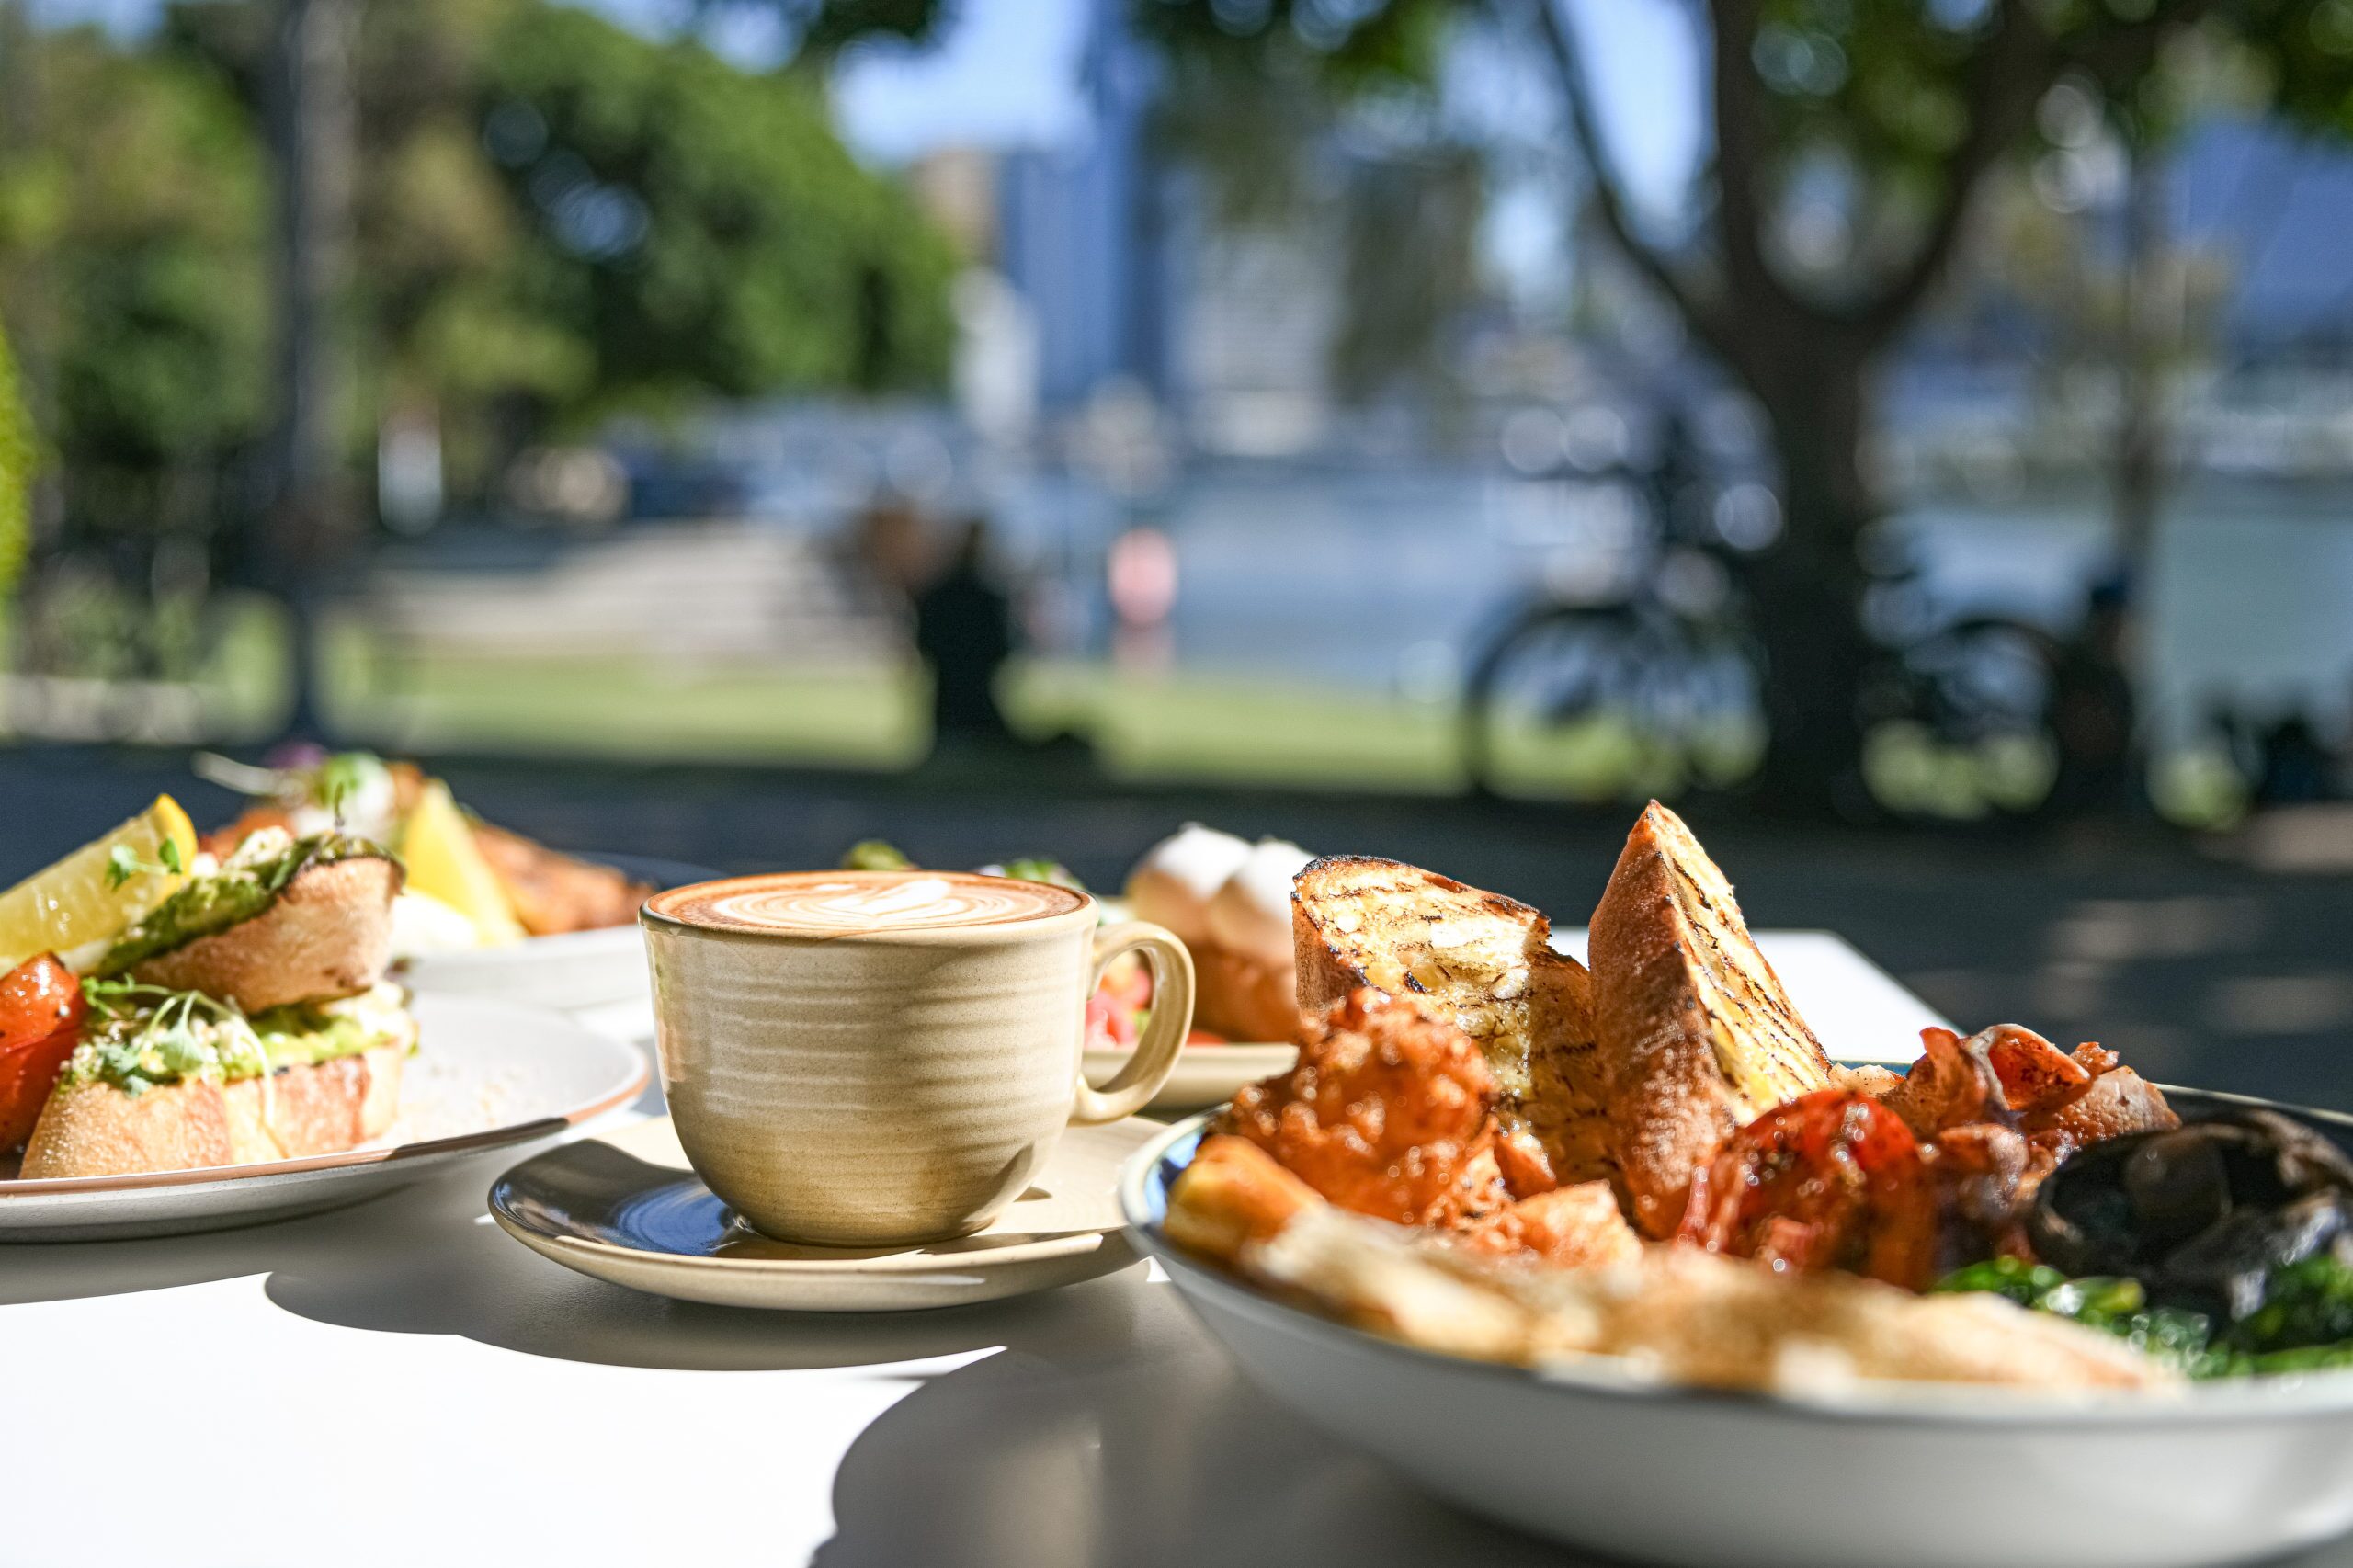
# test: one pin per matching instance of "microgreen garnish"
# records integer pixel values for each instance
(174, 1035)
(124, 863)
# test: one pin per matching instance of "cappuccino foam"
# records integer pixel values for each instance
(833, 904)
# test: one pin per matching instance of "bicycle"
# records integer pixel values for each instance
(1658, 686)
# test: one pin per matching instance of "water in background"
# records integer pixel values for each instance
(1387, 580)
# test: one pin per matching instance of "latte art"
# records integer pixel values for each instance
(851, 903)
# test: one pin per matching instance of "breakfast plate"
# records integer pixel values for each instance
(577, 969)
(1205, 1075)
(488, 1078)
(1594, 1454)
(625, 1208)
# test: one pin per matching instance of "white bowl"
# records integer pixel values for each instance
(579, 968)
(1925, 1475)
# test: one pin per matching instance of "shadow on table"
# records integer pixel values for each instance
(429, 1259)
(1053, 1454)
(1098, 1426)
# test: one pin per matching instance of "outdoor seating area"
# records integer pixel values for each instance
(1100, 782)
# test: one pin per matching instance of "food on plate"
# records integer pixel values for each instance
(1750, 1216)
(447, 871)
(2204, 1214)
(40, 1022)
(1484, 963)
(282, 920)
(503, 885)
(78, 906)
(1229, 902)
(1699, 1034)
(1665, 1313)
(242, 1015)
(1390, 1112)
(162, 1080)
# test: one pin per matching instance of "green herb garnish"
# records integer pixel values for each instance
(123, 863)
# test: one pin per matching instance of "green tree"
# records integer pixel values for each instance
(1851, 140)
(705, 222)
(18, 455)
(157, 328)
(559, 218)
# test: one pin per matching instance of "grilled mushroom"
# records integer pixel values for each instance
(2201, 1214)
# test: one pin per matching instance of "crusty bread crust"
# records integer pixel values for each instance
(94, 1130)
(328, 933)
(1485, 962)
(1243, 999)
(1700, 1036)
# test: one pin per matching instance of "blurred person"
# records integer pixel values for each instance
(2293, 765)
(2093, 711)
(964, 631)
(887, 545)
(1139, 574)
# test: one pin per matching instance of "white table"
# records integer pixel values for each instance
(400, 1383)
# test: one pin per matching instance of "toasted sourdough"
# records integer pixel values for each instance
(1699, 1034)
(1485, 962)
(1241, 998)
(95, 1129)
(328, 933)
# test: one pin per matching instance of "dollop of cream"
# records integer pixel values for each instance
(1173, 883)
(1250, 915)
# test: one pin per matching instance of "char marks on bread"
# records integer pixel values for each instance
(1484, 963)
(1700, 1036)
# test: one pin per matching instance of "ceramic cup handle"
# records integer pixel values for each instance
(1164, 1032)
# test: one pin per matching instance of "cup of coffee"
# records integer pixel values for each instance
(872, 1058)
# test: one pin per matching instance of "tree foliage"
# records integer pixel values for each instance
(17, 458)
(556, 218)
(152, 252)
(1851, 142)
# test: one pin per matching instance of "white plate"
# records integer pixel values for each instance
(626, 1207)
(487, 1077)
(1920, 1474)
(578, 969)
(1205, 1075)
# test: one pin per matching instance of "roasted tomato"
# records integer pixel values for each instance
(40, 1017)
(1830, 1180)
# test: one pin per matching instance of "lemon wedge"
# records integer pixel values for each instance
(439, 849)
(77, 907)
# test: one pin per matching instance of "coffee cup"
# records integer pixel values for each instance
(876, 1059)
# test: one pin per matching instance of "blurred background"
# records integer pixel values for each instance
(1917, 437)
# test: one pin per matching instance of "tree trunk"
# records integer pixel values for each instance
(2138, 461)
(1808, 586)
(313, 138)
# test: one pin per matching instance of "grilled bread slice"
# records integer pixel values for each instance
(96, 1129)
(1700, 1037)
(327, 933)
(1485, 964)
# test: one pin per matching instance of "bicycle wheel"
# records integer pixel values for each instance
(1960, 722)
(1605, 702)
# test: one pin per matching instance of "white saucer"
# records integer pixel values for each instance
(626, 1207)
(1206, 1075)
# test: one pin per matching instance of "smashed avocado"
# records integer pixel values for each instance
(303, 1033)
(228, 897)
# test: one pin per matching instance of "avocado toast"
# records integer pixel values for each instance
(243, 1017)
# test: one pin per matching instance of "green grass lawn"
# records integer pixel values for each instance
(1141, 725)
